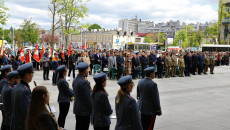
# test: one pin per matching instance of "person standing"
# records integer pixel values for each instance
(97, 58)
(152, 59)
(181, 66)
(13, 79)
(101, 105)
(104, 61)
(86, 59)
(17, 62)
(212, 63)
(82, 104)
(144, 63)
(206, 63)
(135, 66)
(147, 93)
(194, 63)
(168, 63)
(91, 57)
(127, 112)
(112, 63)
(45, 63)
(72, 62)
(160, 64)
(21, 94)
(120, 64)
(174, 64)
(200, 62)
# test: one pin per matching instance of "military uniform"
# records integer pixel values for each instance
(174, 65)
(144, 64)
(147, 93)
(168, 64)
(181, 67)
(206, 63)
(212, 64)
(82, 107)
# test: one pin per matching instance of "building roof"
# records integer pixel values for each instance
(142, 34)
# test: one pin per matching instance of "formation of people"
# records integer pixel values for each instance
(26, 109)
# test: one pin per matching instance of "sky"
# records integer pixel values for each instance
(106, 13)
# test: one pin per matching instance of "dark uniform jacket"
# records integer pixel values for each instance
(148, 94)
(194, 60)
(72, 59)
(3, 82)
(7, 102)
(65, 93)
(102, 110)
(152, 58)
(20, 103)
(128, 116)
(159, 63)
(97, 59)
(135, 62)
(47, 122)
(144, 61)
(83, 102)
(120, 60)
(200, 60)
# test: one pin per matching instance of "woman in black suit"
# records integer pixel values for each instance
(38, 117)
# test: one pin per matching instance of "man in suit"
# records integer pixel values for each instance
(148, 96)
(200, 62)
(82, 107)
(112, 63)
(135, 66)
(21, 97)
(72, 62)
(120, 64)
(152, 59)
(194, 63)
(160, 64)
(144, 63)
(97, 58)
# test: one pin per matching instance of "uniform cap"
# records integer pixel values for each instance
(12, 74)
(99, 78)
(5, 67)
(61, 68)
(82, 65)
(149, 69)
(25, 68)
(124, 80)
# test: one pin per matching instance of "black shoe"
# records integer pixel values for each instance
(48, 79)
(54, 84)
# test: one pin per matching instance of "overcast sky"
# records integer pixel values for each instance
(107, 12)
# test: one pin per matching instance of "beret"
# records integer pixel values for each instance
(82, 65)
(99, 78)
(25, 68)
(61, 68)
(12, 74)
(124, 80)
(5, 67)
(149, 69)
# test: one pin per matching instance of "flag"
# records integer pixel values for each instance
(50, 52)
(62, 52)
(43, 51)
(28, 57)
(36, 54)
(22, 55)
(2, 48)
(69, 49)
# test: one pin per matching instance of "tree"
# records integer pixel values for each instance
(29, 32)
(3, 12)
(94, 26)
(150, 37)
(162, 37)
(19, 40)
(181, 34)
(47, 38)
(6, 35)
(71, 13)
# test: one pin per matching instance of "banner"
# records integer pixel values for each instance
(22, 55)
(43, 51)
(28, 57)
(62, 52)
(36, 54)
(69, 49)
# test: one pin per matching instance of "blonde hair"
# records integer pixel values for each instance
(123, 92)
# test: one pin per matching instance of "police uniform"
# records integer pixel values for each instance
(83, 103)
(101, 106)
(7, 102)
(168, 63)
(147, 93)
(212, 63)
(127, 112)
(3, 82)
(20, 100)
(174, 65)
(181, 66)
(65, 93)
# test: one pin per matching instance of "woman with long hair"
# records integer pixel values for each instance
(38, 117)
(87, 59)
(101, 105)
(65, 95)
(127, 112)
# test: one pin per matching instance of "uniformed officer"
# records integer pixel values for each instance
(13, 78)
(147, 93)
(64, 96)
(120, 64)
(168, 63)
(212, 62)
(101, 105)
(144, 63)
(4, 71)
(206, 63)
(174, 64)
(21, 97)
(83, 103)
(181, 66)
(127, 112)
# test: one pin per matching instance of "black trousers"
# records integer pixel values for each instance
(159, 72)
(54, 79)
(148, 122)
(64, 109)
(71, 67)
(82, 122)
(200, 69)
(143, 72)
(134, 73)
(119, 73)
(102, 128)
(46, 73)
(194, 69)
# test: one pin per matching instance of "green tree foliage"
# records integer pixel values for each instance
(149, 38)
(29, 32)
(6, 35)
(181, 34)
(162, 37)
(3, 12)
(212, 31)
(94, 26)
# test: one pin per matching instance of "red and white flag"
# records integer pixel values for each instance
(22, 55)
(62, 52)
(43, 51)
(36, 54)
(69, 49)
(28, 57)
(50, 52)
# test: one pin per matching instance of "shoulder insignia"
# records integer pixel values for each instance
(102, 92)
(130, 97)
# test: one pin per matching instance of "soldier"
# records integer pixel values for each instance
(4, 71)
(212, 62)
(144, 63)
(21, 97)
(82, 104)
(181, 66)
(64, 96)
(206, 63)
(128, 116)
(101, 105)
(194, 63)
(13, 78)
(120, 64)
(147, 93)
(174, 64)
(168, 63)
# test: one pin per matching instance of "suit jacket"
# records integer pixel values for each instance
(65, 93)
(47, 122)
(120, 61)
(104, 62)
(148, 94)
(135, 62)
(3, 82)
(127, 112)
(20, 103)
(83, 102)
(159, 63)
(102, 110)
(152, 58)
(97, 58)
(110, 62)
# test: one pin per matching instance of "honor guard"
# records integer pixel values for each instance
(206, 63)
(181, 66)
(101, 105)
(21, 97)
(127, 112)
(212, 62)
(4, 71)
(64, 96)
(168, 64)
(83, 103)
(13, 78)
(174, 64)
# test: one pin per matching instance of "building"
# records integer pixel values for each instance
(225, 27)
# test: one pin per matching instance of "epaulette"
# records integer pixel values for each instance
(130, 97)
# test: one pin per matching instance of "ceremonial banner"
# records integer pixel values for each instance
(22, 55)
(36, 54)
(69, 49)
(62, 52)
(28, 57)
(43, 51)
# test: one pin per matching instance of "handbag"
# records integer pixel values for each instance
(106, 69)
